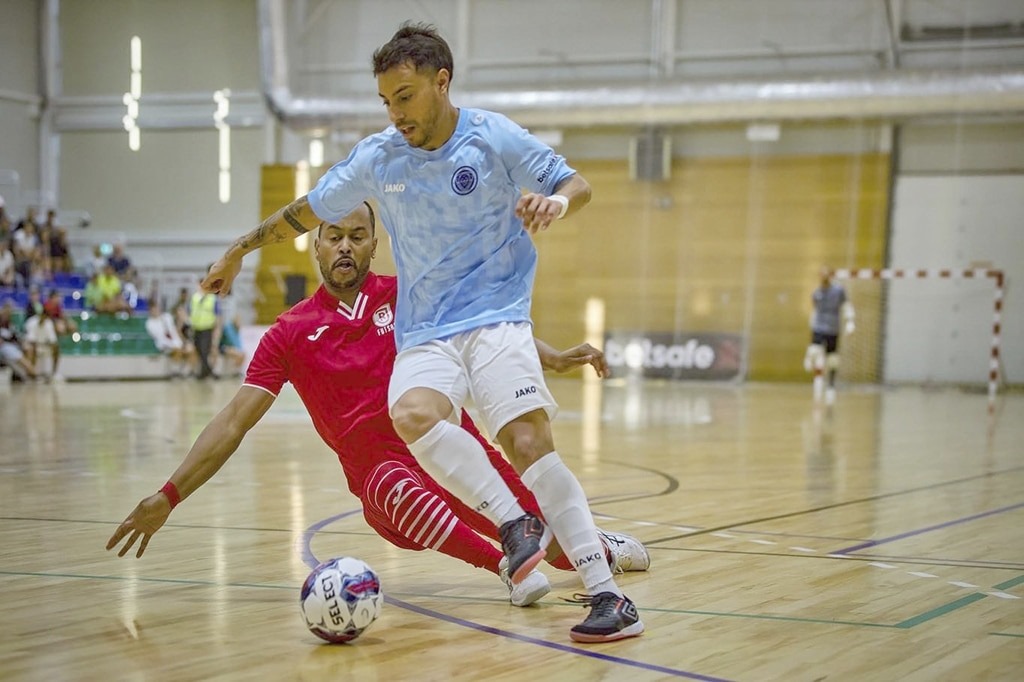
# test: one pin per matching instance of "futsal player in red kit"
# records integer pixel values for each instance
(337, 349)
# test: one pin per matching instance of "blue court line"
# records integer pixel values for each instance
(921, 531)
(311, 560)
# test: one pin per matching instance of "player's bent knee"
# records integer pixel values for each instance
(418, 411)
(386, 481)
(832, 361)
(526, 441)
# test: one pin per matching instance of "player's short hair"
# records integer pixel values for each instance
(369, 209)
(419, 44)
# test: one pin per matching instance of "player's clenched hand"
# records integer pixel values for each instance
(577, 356)
(537, 211)
(222, 273)
(149, 515)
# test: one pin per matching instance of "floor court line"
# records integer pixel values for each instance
(311, 560)
(928, 529)
(837, 505)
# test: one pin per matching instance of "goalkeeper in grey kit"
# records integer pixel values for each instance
(830, 303)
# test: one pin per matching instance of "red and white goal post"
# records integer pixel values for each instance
(869, 317)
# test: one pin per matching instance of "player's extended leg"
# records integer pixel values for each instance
(410, 512)
(624, 552)
(566, 510)
(452, 456)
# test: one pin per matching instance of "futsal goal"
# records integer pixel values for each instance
(926, 327)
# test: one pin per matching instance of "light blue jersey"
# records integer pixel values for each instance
(464, 260)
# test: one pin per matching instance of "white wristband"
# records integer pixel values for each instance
(563, 201)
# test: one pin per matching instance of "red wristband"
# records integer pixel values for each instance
(171, 491)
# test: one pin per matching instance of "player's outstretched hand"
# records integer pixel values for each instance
(149, 515)
(849, 327)
(222, 273)
(577, 356)
(537, 211)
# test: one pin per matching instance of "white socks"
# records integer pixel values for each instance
(457, 461)
(564, 504)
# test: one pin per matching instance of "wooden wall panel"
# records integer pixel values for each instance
(277, 189)
(726, 244)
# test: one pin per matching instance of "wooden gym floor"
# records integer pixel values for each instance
(880, 540)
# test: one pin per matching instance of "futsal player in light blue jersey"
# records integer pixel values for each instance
(450, 184)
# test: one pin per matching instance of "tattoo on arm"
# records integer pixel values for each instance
(289, 216)
(270, 232)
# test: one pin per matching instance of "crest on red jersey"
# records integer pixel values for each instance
(383, 316)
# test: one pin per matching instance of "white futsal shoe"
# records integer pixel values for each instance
(534, 586)
(625, 552)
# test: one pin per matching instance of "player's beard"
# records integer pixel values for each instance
(342, 281)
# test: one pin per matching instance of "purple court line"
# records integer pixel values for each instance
(920, 531)
(310, 559)
(967, 563)
(791, 535)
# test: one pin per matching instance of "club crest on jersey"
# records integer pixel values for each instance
(464, 180)
(384, 318)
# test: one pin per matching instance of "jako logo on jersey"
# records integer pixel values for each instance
(520, 392)
(384, 318)
(464, 180)
(316, 335)
(392, 187)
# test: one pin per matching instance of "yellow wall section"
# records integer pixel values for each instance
(277, 189)
(726, 244)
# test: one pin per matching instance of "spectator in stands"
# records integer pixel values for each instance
(29, 219)
(129, 287)
(34, 304)
(5, 222)
(8, 274)
(97, 261)
(11, 352)
(26, 249)
(103, 292)
(40, 337)
(54, 307)
(204, 316)
(179, 311)
(119, 261)
(161, 328)
(60, 254)
(231, 346)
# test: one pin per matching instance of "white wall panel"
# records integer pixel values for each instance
(941, 330)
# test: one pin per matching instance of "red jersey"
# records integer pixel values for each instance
(339, 359)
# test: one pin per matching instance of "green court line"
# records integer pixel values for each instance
(1006, 634)
(940, 611)
(954, 605)
(1010, 583)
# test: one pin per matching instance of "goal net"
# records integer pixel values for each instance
(928, 327)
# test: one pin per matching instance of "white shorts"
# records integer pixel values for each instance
(497, 367)
(40, 330)
(10, 352)
(166, 344)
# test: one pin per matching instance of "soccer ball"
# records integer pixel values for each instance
(340, 599)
